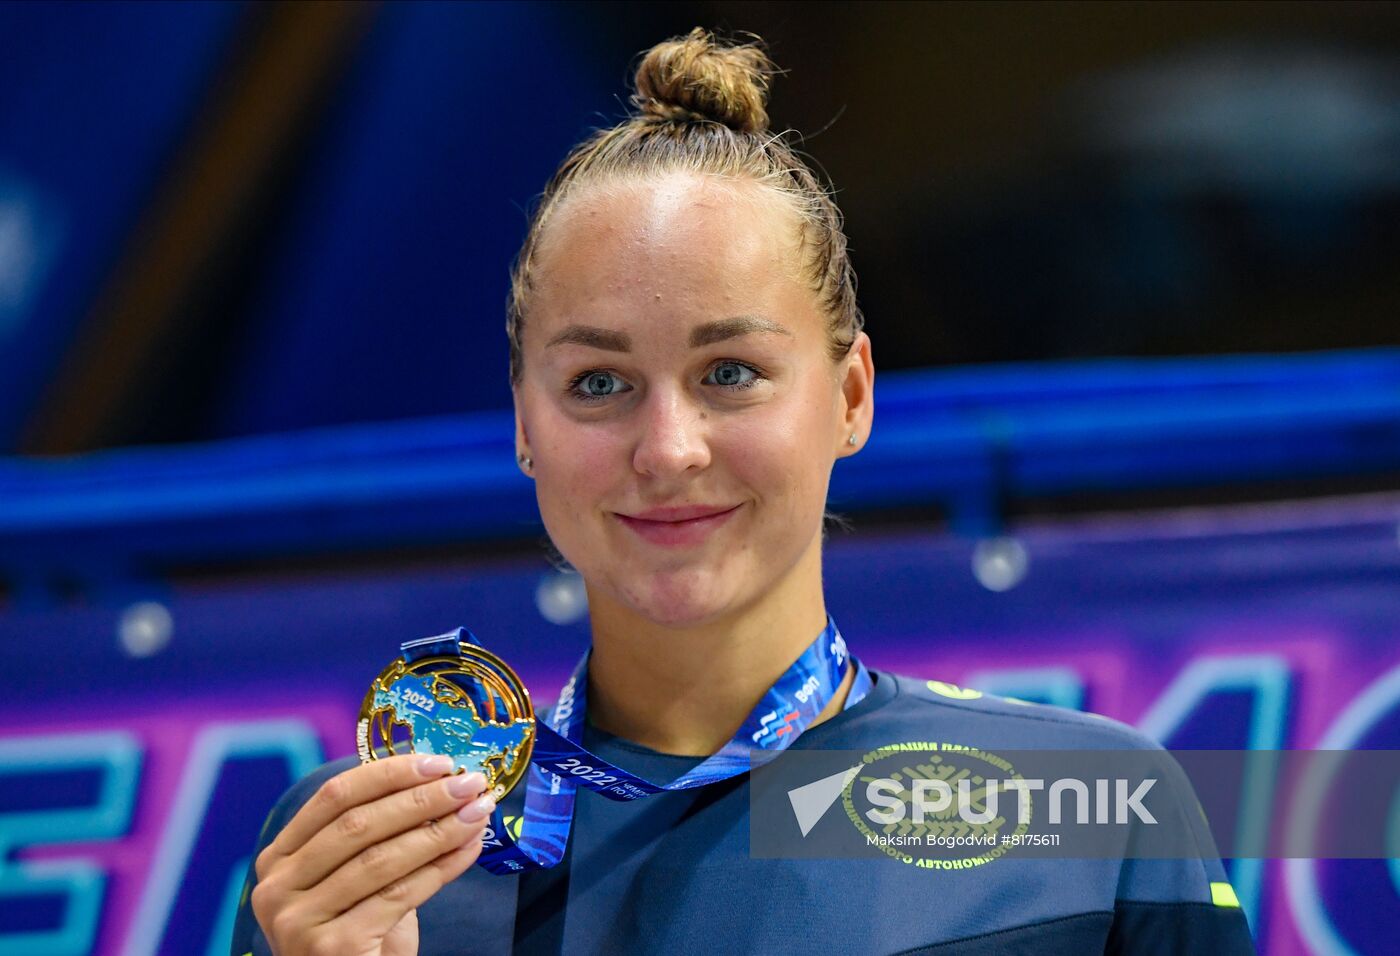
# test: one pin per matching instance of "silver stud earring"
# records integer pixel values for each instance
(851, 440)
(525, 460)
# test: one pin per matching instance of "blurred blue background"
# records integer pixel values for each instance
(1132, 274)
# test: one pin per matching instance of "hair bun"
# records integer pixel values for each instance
(695, 78)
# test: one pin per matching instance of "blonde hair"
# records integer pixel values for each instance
(701, 106)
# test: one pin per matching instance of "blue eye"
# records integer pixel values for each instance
(732, 375)
(597, 385)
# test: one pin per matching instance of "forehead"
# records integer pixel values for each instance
(678, 244)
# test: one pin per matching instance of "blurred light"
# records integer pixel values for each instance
(145, 629)
(561, 597)
(28, 240)
(1255, 119)
(999, 564)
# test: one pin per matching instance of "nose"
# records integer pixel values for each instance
(672, 438)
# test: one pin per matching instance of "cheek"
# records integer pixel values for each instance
(580, 472)
(579, 458)
(575, 468)
(783, 457)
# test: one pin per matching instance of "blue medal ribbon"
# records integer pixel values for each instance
(560, 764)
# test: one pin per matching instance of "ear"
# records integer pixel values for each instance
(857, 380)
(522, 437)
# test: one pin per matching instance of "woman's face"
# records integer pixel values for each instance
(678, 398)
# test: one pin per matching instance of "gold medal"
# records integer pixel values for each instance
(471, 707)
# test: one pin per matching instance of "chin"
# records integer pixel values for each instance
(678, 600)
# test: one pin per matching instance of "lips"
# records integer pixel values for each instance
(677, 527)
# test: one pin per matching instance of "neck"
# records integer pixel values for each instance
(688, 690)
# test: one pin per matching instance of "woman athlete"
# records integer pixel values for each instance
(688, 363)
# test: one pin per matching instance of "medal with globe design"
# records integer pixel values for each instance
(471, 707)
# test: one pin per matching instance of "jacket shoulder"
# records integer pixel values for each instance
(1041, 725)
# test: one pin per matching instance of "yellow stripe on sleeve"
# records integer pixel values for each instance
(1223, 894)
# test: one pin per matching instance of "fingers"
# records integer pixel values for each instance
(380, 871)
(374, 916)
(369, 829)
(356, 786)
(400, 871)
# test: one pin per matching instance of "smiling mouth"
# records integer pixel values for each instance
(677, 527)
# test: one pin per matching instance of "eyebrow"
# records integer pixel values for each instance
(712, 332)
(593, 337)
(706, 334)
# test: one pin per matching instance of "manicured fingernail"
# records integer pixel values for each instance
(434, 766)
(466, 785)
(478, 809)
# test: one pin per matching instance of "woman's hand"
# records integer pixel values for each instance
(348, 872)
